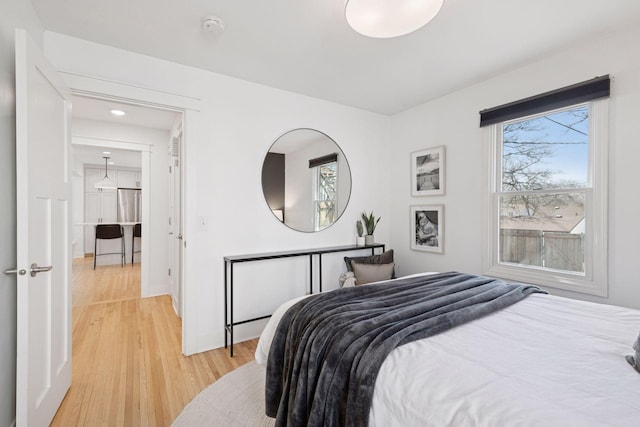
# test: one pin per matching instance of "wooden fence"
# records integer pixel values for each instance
(560, 251)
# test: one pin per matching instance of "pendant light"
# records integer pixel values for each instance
(106, 183)
(390, 18)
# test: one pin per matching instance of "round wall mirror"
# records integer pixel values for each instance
(306, 180)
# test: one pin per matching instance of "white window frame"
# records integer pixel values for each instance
(594, 280)
(316, 193)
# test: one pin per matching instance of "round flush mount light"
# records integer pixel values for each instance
(390, 18)
(213, 24)
(118, 113)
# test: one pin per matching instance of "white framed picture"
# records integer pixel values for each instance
(427, 172)
(427, 228)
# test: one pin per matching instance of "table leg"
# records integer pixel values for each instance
(320, 272)
(231, 310)
(310, 273)
(225, 304)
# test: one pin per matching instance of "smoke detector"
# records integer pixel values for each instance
(213, 24)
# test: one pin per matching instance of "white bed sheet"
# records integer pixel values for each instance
(545, 361)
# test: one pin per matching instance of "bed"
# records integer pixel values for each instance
(543, 361)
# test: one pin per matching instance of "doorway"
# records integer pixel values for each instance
(137, 139)
(189, 108)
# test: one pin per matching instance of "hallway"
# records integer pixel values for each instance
(127, 365)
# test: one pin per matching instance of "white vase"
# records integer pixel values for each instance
(368, 239)
(360, 241)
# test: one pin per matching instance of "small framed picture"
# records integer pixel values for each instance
(427, 172)
(427, 228)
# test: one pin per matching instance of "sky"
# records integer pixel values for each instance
(567, 134)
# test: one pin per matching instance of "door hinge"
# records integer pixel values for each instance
(169, 272)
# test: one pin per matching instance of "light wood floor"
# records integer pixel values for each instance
(127, 366)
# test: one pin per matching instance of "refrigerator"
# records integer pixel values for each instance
(129, 205)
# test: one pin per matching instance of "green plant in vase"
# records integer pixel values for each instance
(370, 223)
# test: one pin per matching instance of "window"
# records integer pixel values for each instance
(325, 195)
(546, 198)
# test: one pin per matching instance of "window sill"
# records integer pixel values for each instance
(551, 279)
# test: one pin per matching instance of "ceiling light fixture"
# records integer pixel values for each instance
(106, 183)
(390, 18)
(118, 113)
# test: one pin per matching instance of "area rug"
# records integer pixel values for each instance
(236, 399)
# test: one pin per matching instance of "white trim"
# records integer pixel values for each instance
(595, 278)
(111, 143)
(145, 260)
(600, 213)
(127, 93)
(190, 129)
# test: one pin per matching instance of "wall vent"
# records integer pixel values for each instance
(174, 147)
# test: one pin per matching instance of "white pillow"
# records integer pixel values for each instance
(347, 280)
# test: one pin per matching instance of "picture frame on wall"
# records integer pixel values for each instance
(428, 172)
(427, 228)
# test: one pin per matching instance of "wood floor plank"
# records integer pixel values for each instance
(127, 366)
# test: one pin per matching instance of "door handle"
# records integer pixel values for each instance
(35, 269)
(21, 272)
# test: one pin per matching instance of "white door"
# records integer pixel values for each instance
(43, 110)
(175, 225)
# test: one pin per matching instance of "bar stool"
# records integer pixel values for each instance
(108, 232)
(137, 232)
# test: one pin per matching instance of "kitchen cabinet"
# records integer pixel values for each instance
(128, 179)
(101, 204)
(91, 176)
(100, 207)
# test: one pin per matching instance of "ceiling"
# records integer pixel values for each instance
(89, 155)
(100, 110)
(308, 48)
(135, 115)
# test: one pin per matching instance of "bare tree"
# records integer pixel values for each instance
(526, 146)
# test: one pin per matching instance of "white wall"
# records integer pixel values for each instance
(453, 120)
(239, 120)
(237, 124)
(158, 192)
(15, 14)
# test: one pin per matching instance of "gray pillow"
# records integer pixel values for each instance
(383, 258)
(367, 273)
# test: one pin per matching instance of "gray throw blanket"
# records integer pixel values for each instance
(328, 348)
(635, 360)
